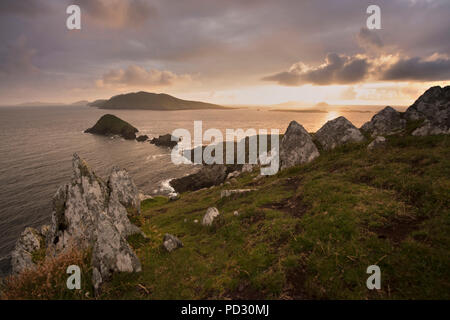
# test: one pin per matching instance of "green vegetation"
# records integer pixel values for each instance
(309, 232)
(48, 279)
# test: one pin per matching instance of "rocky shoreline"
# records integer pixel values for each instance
(90, 213)
(429, 115)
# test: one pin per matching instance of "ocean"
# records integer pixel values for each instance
(37, 144)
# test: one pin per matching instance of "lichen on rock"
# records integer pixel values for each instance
(296, 146)
(88, 213)
(337, 132)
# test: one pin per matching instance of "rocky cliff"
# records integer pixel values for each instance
(88, 213)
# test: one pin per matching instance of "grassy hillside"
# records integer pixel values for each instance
(308, 232)
(153, 101)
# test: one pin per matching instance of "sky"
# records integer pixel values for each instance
(227, 52)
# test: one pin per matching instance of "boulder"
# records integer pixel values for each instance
(209, 216)
(207, 176)
(142, 138)
(111, 125)
(233, 174)
(337, 132)
(28, 243)
(247, 167)
(90, 213)
(428, 128)
(296, 146)
(171, 242)
(166, 140)
(387, 121)
(434, 108)
(430, 104)
(378, 142)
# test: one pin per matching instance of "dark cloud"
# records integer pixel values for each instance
(226, 44)
(418, 69)
(16, 59)
(337, 69)
(22, 7)
(369, 39)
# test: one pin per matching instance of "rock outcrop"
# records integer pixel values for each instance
(91, 213)
(29, 242)
(431, 111)
(434, 108)
(209, 216)
(142, 138)
(170, 242)
(207, 176)
(296, 146)
(378, 142)
(385, 122)
(337, 132)
(111, 125)
(166, 140)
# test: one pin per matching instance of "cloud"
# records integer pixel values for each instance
(337, 69)
(22, 7)
(117, 13)
(348, 94)
(369, 39)
(434, 68)
(136, 76)
(16, 59)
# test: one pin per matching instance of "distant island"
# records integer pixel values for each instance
(151, 101)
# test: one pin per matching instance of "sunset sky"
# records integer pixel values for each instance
(226, 52)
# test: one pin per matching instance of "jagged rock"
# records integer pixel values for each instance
(387, 121)
(111, 125)
(434, 108)
(29, 242)
(377, 143)
(337, 132)
(89, 213)
(430, 104)
(207, 176)
(429, 128)
(142, 138)
(166, 140)
(111, 253)
(297, 146)
(209, 216)
(227, 193)
(123, 188)
(171, 242)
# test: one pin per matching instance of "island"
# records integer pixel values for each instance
(109, 124)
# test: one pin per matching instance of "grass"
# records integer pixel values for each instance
(309, 232)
